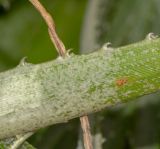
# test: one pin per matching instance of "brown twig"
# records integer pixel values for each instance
(86, 132)
(62, 52)
(51, 27)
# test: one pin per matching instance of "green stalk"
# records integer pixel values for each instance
(35, 96)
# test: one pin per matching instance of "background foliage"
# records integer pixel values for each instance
(24, 33)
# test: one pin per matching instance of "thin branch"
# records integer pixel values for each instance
(51, 27)
(86, 132)
(20, 140)
(62, 52)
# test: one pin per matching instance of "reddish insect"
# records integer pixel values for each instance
(121, 82)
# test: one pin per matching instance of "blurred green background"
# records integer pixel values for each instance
(84, 26)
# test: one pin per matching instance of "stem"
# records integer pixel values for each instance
(86, 132)
(20, 140)
(35, 96)
(51, 27)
